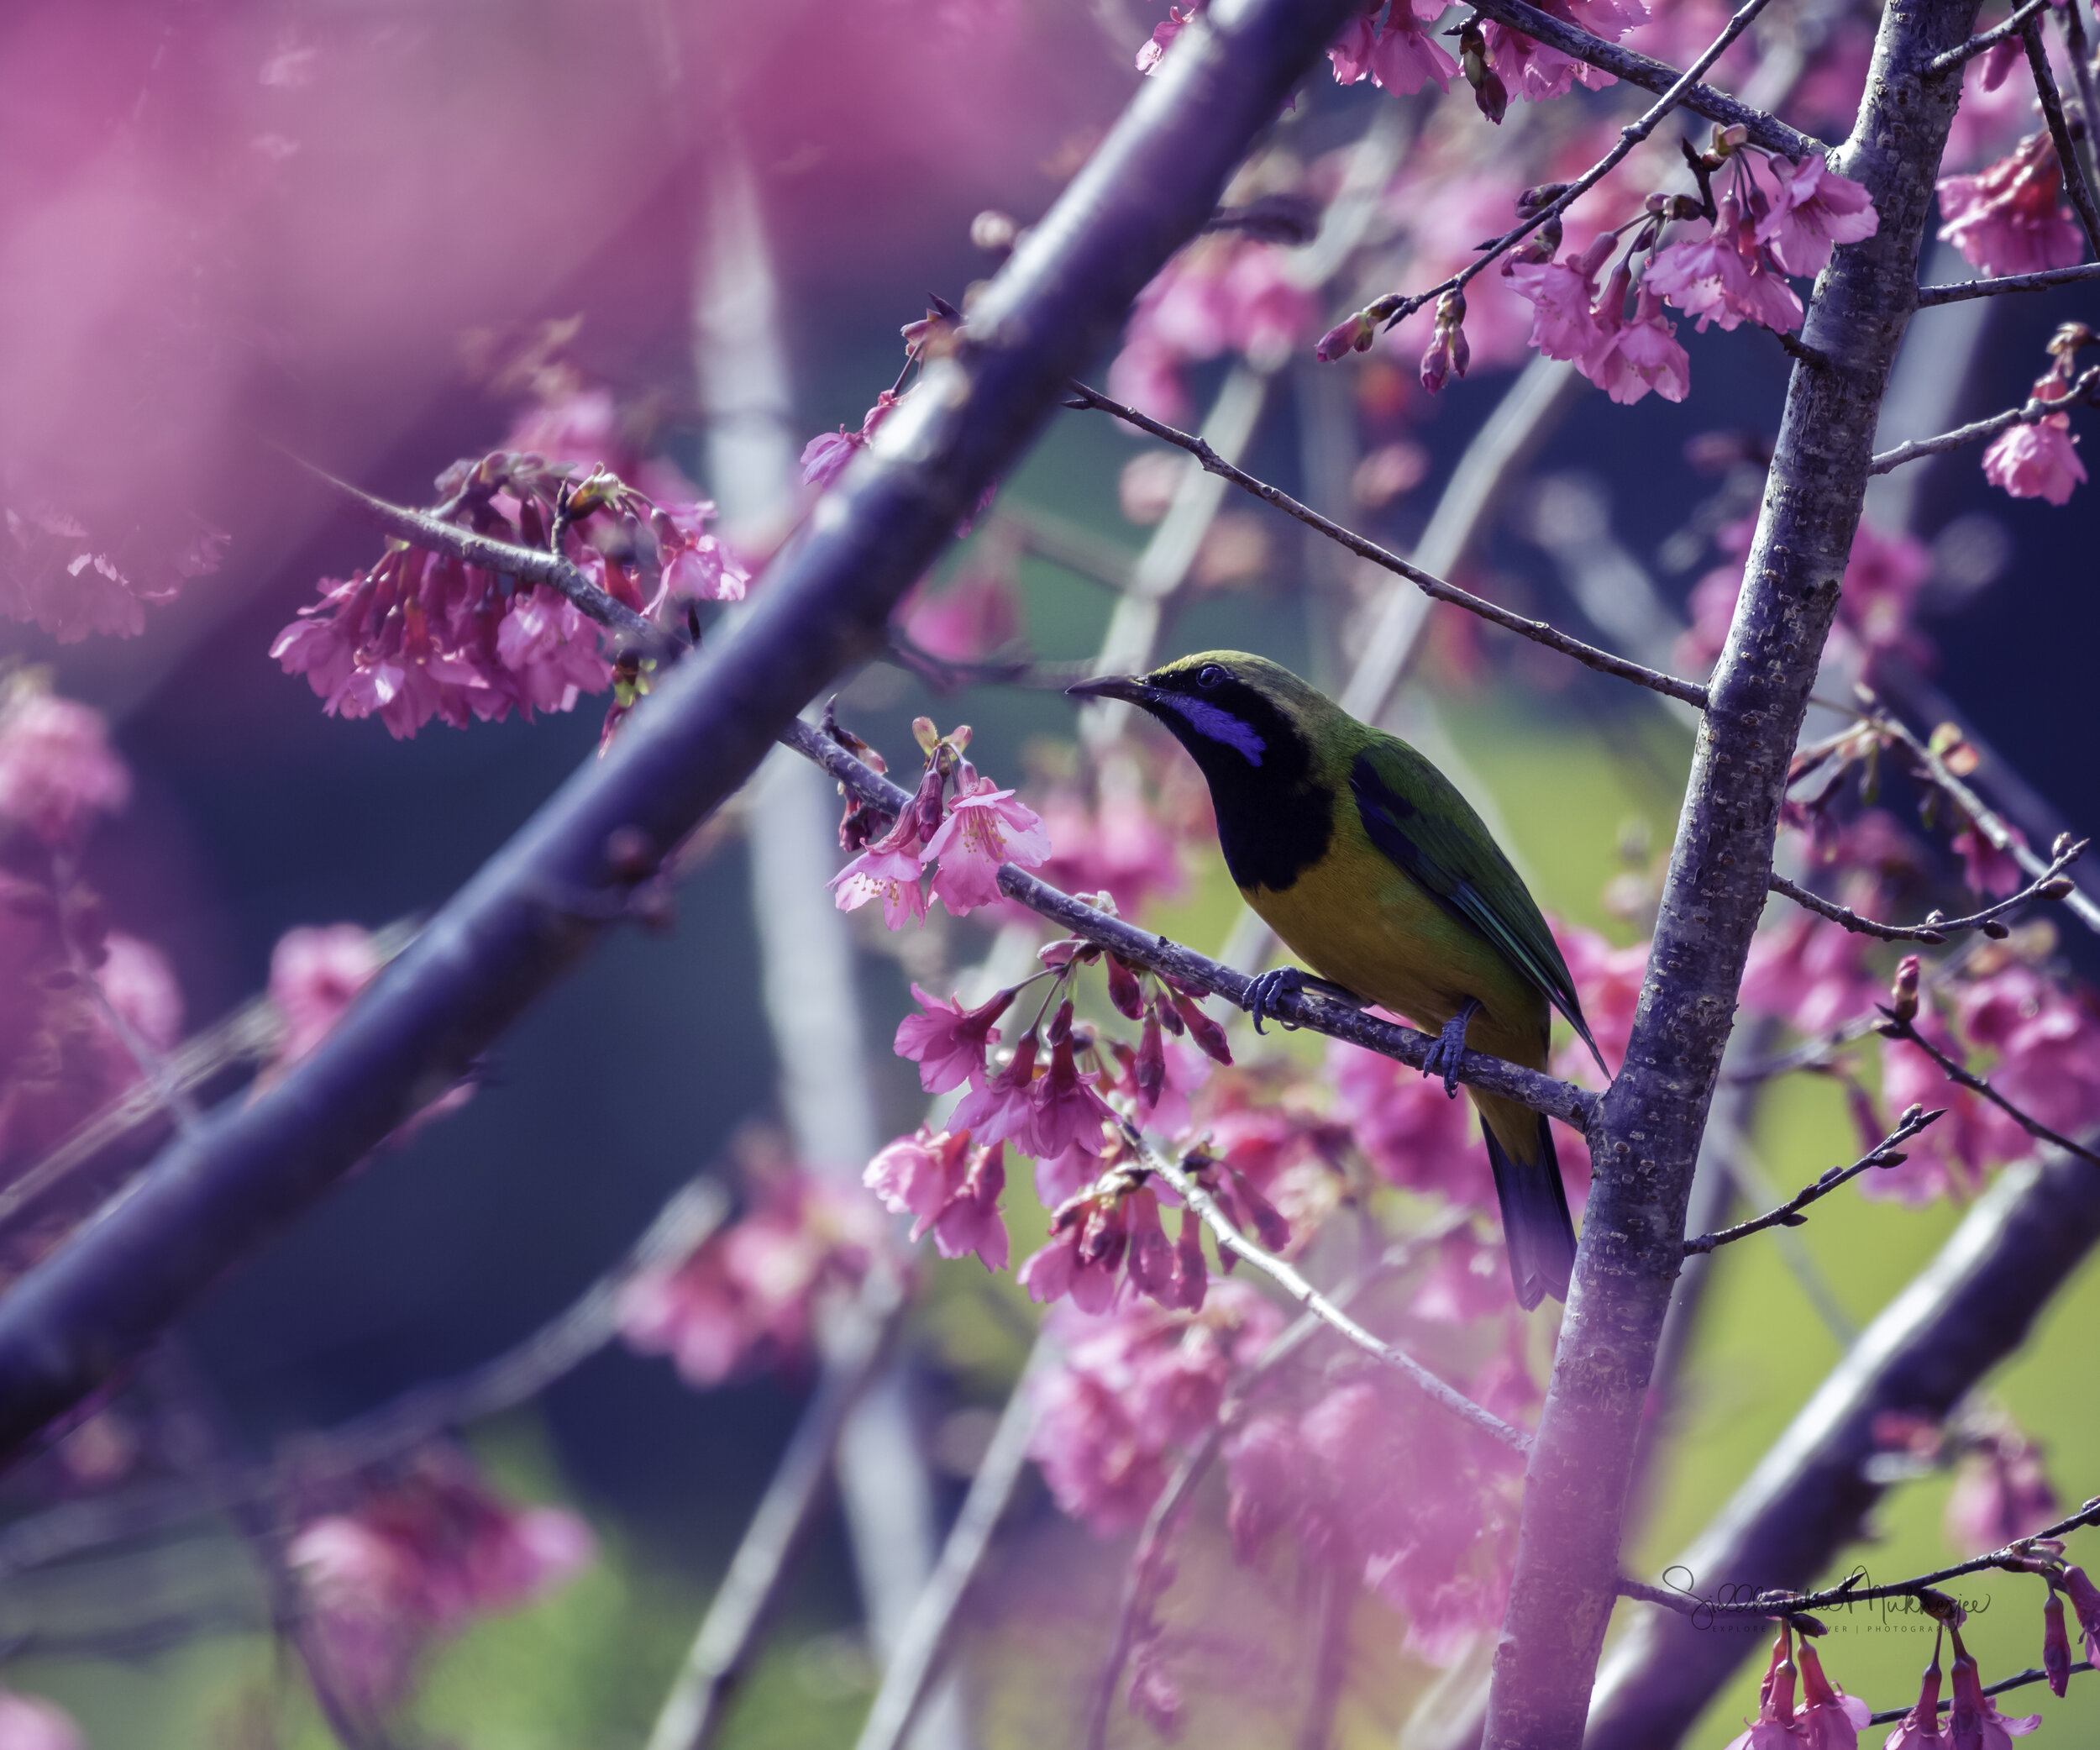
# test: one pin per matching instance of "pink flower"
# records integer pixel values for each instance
(1351, 51)
(745, 1297)
(825, 456)
(419, 1559)
(1069, 1113)
(552, 649)
(891, 875)
(29, 1722)
(1954, 1154)
(1266, 312)
(2056, 1645)
(2036, 461)
(2085, 1600)
(1132, 1385)
(1410, 1133)
(1088, 1235)
(57, 770)
(1724, 276)
(951, 1187)
(1120, 848)
(2008, 217)
(140, 984)
(1406, 57)
(1829, 1719)
(1919, 1728)
(1467, 1282)
(1811, 974)
(2048, 1045)
(696, 566)
(1773, 1729)
(71, 581)
(1563, 325)
(972, 618)
(1004, 1106)
(1529, 69)
(948, 1042)
(1975, 1723)
(1414, 1509)
(1163, 37)
(985, 829)
(1814, 209)
(313, 974)
(1628, 358)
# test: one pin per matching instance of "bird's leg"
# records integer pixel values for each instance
(1450, 1046)
(1265, 992)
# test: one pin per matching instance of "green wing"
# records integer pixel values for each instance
(1414, 815)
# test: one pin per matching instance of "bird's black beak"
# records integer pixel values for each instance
(1129, 688)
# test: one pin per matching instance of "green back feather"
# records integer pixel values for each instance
(1414, 815)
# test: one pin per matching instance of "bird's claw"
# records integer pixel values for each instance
(1265, 992)
(1444, 1056)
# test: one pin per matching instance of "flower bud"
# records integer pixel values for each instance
(1209, 1036)
(1164, 1007)
(2056, 1645)
(1727, 141)
(2069, 338)
(1353, 334)
(1124, 989)
(1543, 194)
(2055, 887)
(1060, 1027)
(1151, 1063)
(1902, 991)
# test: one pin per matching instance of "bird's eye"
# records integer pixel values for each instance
(1211, 674)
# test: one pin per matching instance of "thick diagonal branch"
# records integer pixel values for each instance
(1646, 1138)
(211, 1199)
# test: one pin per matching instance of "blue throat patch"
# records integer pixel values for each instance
(1219, 724)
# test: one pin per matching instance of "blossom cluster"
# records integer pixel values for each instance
(420, 635)
(416, 1558)
(58, 573)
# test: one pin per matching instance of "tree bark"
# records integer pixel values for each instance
(1646, 1136)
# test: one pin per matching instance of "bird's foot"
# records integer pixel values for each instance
(1265, 992)
(1444, 1055)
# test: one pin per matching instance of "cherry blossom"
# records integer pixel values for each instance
(314, 972)
(1919, 1728)
(1724, 278)
(1953, 1155)
(1132, 1386)
(891, 870)
(1974, 1723)
(1397, 53)
(2010, 218)
(1773, 1729)
(744, 1298)
(1630, 357)
(60, 574)
(967, 620)
(2037, 460)
(1163, 34)
(1810, 973)
(985, 829)
(2085, 1600)
(1529, 69)
(58, 772)
(2047, 1042)
(948, 1042)
(417, 1560)
(950, 1186)
(1410, 1133)
(696, 566)
(825, 456)
(1609, 980)
(1564, 325)
(1812, 209)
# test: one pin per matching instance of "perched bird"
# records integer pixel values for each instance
(1373, 870)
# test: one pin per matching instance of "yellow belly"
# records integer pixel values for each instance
(1355, 919)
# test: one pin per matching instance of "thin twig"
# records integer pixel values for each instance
(1928, 296)
(1764, 130)
(2071, 17)
(1173, 960)
(2034, 1674)
(1788, 1214)
(1536, 630)
(1395, 308)
(1985, 40)
(692, 1712)
(2075, 184)
(1985, 819)
(2032, 412)
(2017, 1556)
(1287, 1278)
(1895, 1028)
(924, 1642)
(1935, 928)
